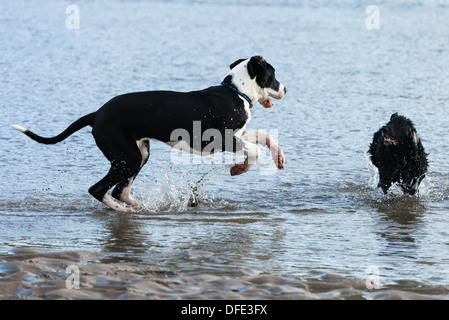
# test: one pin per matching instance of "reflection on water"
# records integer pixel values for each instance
(399, 222)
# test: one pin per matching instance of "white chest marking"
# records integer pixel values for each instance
(239, 132)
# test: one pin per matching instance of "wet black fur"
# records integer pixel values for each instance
(404, 163)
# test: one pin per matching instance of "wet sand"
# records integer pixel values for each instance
(30, 274)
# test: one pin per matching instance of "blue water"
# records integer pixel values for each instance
(323, 212)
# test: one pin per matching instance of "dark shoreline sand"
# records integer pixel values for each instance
(29, 274)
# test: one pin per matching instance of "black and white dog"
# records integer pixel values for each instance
(123, 126)
(397, 151)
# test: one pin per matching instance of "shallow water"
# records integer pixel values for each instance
(323, 212)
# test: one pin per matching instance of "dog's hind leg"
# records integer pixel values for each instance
(126, 161)
(100, 190)
(122, 190)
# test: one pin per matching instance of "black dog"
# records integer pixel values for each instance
(398, 153)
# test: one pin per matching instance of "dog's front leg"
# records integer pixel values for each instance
(265, 139)
(250, 150)
(385, 181)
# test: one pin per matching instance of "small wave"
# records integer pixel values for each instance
(52, 202)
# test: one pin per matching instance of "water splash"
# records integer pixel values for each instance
(373, 172)
(173, 191)
(395, 190)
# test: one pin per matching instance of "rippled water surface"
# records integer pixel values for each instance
(323, 212)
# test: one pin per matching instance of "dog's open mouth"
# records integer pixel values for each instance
(266, 102)
(390, 141)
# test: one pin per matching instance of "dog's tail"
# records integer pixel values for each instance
(77, 125)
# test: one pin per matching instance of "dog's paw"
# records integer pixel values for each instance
(278, 158)
(238, 169)
(281, 162)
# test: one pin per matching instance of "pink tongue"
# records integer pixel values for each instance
(392, 141)
(268, 103)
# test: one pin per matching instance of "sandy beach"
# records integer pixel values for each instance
(80, 275)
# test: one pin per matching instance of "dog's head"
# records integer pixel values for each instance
(399, 132)
(256, 78)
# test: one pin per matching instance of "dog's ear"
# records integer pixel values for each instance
(394, 115)
(236, 63)
(256, 65)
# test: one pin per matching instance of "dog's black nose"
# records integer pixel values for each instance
(285, 89)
